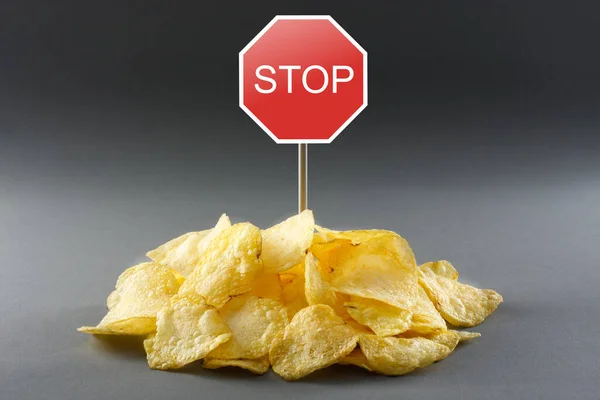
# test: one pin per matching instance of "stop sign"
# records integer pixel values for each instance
(303, 79)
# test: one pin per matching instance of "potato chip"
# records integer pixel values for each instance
(254, 322)
(382, 268)
(358, 328)
(442, 268)
(182, 253)
(425, 318)
(466, 335)
(186, 330)
(315, 338)
(318, 291)
(295, 270)
(324, 252)
(293, 293)
(228, 266)
(382, 318)
(355, 237)
(324, 235)
(284, 245)
(266, 285)
(285, 279)
(259, 366)
(140, 292)
(356, 358)
(125, 327)
(167, 250)
(459, 304)
(180, 278)
(452, 338)
(112, 299)
(399, 356)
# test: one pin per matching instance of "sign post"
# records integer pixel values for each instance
(303, 79)
(302, 177)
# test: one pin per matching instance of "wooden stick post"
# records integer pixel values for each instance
(302, 176)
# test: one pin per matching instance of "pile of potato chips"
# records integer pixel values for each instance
(295, 297)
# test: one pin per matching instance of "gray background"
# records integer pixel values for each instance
(119, 129)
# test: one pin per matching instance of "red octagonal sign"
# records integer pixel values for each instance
(303, 79)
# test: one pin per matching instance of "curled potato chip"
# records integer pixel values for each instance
(458, 303)
(399, 356)
(318, 291)
(284, 245)
(259, 366)
(382, 268)
(186, 330)
(228, 265)
(254, 322)
(183, 253)
(141, 291)
(382, 318)
(315, 338)
(425, 318)
(442, 268)
(267, 285)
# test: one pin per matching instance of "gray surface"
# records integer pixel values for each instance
(63, 243)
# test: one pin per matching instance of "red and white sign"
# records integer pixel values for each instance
(303, 79)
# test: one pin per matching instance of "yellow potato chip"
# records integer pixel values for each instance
(267, 285)
(459, 304)
(323, 235)
(399, 356)
(292, 294)
(442, 267)
(295, 270)
(318, 291)
(448, 338)
(259, 366)
(325, 250)
(285, 279)
(140, 292)
(254, 322)
(355, 237)
(166, 250)
(112, 299)
(228, 266)
(125, 327)
(465, 335)
(186, 330)
(183, 253)
(180, 278)
(356, 358)
(284, 245)
(382, 318)
(425, 318)
(382, 268)
(452, 338)
(314, 339)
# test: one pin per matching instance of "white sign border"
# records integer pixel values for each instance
(241, 79)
